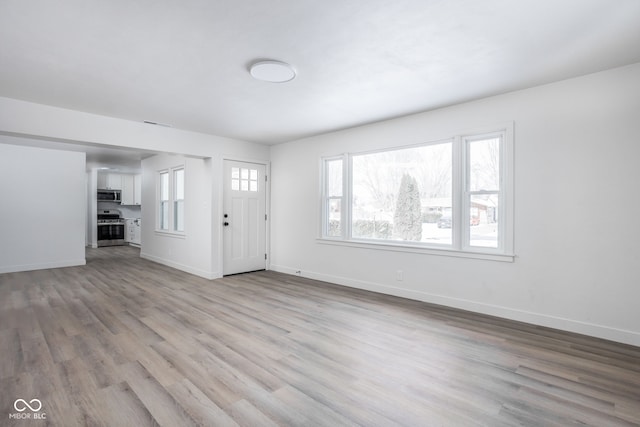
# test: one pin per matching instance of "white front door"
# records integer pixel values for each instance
(244, 217)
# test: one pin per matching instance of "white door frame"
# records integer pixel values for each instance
(217, 225)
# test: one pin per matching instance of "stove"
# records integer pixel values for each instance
(110, 226)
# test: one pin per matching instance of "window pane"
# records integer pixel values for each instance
(483, 221)
(334, 228)
(164, 215)
(235, 173)
(179, 184)
(334, 178)
(484, 165)
(253, 174)
(244, 185)
(235, 185)
(164, 186)
(401, 194)
(244, 173)
(178, 215)
(253, 185)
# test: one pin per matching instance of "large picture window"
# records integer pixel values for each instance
(454, 195)
(398, 195)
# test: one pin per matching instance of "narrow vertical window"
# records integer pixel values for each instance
(163, 214)
(333, 204)
(178, 200)
(484, 192)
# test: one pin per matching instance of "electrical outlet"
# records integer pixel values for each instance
(399, 275)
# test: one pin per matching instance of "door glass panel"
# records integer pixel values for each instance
(253, 177)
(244, 179)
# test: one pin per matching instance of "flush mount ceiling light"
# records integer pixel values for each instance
(272, 71)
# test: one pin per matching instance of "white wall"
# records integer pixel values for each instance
(29, 120)
(42, 213)
(577, 146)
(192, 252)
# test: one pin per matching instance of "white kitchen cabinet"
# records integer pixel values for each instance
(127, 190)
(128, 230)
(132, 189)
(109, 181)
(132, 233)
(137, 189)
(137, 232)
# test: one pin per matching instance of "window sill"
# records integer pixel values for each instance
(398, 247)
(167, 233)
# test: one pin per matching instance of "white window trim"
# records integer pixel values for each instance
(170, 231)
(460, 246)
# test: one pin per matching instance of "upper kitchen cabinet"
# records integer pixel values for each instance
(109, 181)
(137, 189)
(131, 189)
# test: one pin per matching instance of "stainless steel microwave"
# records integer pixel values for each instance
(110, 196)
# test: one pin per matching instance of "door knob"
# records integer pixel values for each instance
(225, 223)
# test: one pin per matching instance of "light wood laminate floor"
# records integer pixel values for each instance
(126, 342)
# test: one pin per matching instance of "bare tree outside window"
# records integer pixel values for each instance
(407, 220)
(377, 179)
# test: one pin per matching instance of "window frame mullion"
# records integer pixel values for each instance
(347, 182)
(458, 177)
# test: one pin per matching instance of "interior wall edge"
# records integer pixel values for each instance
(539, 319)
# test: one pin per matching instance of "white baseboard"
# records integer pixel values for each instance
(569, 325)
(41, 266)
(186, 268)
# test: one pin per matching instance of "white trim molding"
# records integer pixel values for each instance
(539, 319)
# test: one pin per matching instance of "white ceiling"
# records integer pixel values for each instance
(185, 62)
